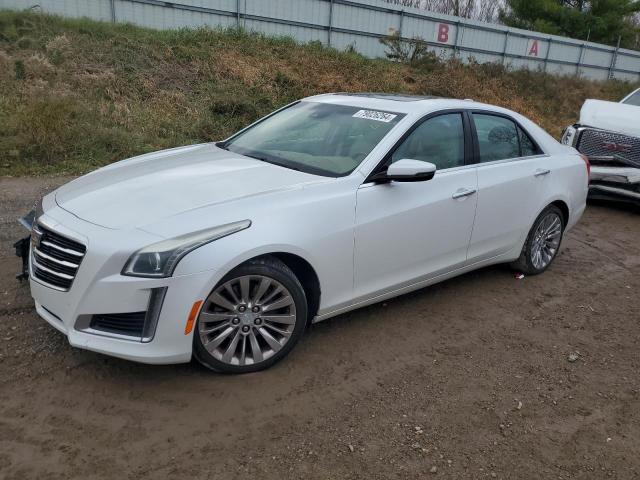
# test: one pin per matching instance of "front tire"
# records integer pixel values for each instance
(252, 318)
(543, 242)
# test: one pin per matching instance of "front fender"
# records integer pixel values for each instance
(219, 259)
(317, 226)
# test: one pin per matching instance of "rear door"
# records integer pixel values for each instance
(512, 172)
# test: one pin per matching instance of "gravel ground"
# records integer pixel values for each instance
(483, 376)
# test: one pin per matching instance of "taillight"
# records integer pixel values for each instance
(588, 165)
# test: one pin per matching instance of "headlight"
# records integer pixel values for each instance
(568, 135)
(160, 259)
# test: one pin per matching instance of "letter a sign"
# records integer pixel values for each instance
(533, 48)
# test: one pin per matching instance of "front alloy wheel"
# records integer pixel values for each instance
(251, 319)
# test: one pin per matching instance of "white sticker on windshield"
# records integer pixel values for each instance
(375, 115)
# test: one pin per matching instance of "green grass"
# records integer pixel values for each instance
(79, 94)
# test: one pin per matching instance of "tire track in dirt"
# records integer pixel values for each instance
(454, 360)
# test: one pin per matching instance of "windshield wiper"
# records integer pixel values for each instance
(271, 161)
(275, 161)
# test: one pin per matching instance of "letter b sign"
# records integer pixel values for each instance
(442, 33)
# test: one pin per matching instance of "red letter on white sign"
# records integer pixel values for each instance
(443, 33)
(533, 49)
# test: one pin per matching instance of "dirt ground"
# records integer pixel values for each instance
(466, 379)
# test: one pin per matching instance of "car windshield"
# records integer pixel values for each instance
(319, 138)
(633, 99)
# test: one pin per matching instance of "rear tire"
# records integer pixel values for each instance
(543, 242)
(251, 319)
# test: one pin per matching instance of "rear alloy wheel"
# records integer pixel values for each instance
(252, 318)
(543, 242)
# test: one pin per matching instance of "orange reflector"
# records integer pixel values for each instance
(188, 328)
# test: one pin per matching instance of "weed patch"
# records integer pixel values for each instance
(78, 94)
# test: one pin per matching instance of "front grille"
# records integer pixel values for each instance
(56, 259)
(609, 148)
(130, 324)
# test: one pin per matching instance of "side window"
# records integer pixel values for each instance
(439, 140)
(527, 147)
(497, 137)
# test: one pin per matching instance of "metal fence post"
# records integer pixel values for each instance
(579, 60)
(504, 48)
(238, 13)
(546, 57)
(112, 4)
(614, 58)
(401, 23)
(330, 22)
(455, 43)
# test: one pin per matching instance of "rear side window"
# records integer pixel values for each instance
(527, 147)
(500, 138)
(497, 138)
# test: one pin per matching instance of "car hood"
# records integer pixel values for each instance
(146, 189)
(617, 117)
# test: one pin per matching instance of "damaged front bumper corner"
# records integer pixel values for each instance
(622, 183)
(22, 245)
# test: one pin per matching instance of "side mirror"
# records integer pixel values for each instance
(407, 170)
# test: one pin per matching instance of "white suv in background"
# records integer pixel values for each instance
(609, 134)
(227, 250)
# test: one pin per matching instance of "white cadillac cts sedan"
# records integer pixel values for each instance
(226, 251)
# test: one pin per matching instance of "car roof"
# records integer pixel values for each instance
(417, 106)
(401, 103)
(396, 97)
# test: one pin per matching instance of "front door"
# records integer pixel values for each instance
(408, 232)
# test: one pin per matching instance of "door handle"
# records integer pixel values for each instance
(463, 192)
(540, 172)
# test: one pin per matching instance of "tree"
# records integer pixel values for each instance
(413, 51)
(599, 20)
(483, 10)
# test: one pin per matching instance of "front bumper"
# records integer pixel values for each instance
(99, 288)
(620, 183)
(65, 312)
